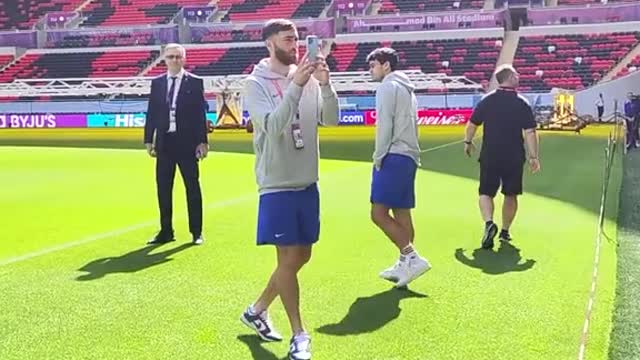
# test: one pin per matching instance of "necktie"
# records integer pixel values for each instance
(172, 90)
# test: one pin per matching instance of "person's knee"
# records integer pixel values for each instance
(292, 259)
(305, 257)
(193, 187)
(402, 216)
(486, 196)
(511, 199)
(379, 214)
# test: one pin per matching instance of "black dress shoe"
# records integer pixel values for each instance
(161, 238)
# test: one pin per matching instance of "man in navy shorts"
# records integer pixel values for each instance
(506, 115)
(396, 159)
(287, 98)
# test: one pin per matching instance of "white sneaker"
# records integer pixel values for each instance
(411, 269)
(391, 273)
(300, 347)
(261, 324)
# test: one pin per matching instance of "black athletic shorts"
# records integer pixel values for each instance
(496, 173)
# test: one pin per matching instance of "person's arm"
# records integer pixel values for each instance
(273, 121)
(330, 107)
(202, 149)
(149, 124)
(470, 132)
(202, 113)
(385, 113)
(328, 96)
(477, 118)
(531, 139)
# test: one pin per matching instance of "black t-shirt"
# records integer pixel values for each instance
(505, 114)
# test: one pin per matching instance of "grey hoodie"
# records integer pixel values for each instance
(275, 103)
(396, 119)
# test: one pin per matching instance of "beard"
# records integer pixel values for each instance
(285, 57)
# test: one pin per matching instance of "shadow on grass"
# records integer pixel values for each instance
(131, 262)
(371, 313)
(506, 259)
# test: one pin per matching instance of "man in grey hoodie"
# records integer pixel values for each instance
(396, 159)
(286, 102)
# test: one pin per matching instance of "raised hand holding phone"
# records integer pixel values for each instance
(313, 45)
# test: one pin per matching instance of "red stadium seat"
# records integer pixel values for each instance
(79, 65)
(408, 6)
(257, 10)
(574, 61)
(12, 18)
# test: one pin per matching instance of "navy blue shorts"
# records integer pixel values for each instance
(505, 173)
(289, 217)
(394, 185)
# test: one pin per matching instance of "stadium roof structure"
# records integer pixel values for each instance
(342, 81)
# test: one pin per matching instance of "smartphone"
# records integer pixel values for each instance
(313, 44)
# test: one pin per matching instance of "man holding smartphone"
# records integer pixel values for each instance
(287, 98)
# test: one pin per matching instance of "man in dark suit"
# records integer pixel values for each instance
(176, 115)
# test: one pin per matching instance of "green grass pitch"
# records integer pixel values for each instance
(78, 282)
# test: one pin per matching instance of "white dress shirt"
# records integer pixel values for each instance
(172, 108)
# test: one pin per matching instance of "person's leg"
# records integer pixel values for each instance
(290, 261)
(404, 219)
(165, 174)
(485, 202)
(509, 210)
(413, 264)
(399, 235)
(284, 282)
(600, 113)
(190, 175)
(404, 184)
(276, 223)
(392, 187)
(489, 184)
(511, 188)
(308, 229)
(268, 295)
(628, 133)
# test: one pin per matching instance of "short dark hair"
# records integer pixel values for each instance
(503, 72)
(384, 55)
(274, 26)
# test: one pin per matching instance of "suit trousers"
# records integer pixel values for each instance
(172, 154)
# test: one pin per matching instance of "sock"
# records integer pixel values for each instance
(252, 310)
(408, 252)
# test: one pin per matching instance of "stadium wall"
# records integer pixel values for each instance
(355, 102)
(617, 89)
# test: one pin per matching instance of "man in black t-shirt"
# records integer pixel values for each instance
(505, 116)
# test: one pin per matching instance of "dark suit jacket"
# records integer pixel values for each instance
(191, 122)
